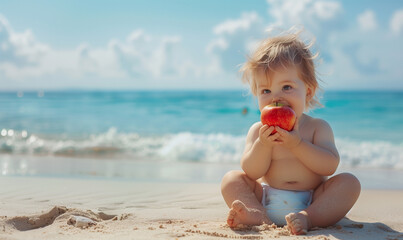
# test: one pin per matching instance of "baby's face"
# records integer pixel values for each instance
(283, 86)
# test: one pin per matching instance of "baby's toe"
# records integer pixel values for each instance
(296, 228)
(231, 218)
(232, 213)
(238, 206)
(290, 217)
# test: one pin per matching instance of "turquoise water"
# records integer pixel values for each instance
(369, 116)
(185, 126)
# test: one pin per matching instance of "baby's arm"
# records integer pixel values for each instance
(257, 155)
(321, 155)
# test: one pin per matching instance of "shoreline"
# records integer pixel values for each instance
(127, 170)
(125, 209)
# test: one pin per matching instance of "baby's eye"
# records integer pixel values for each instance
(266, 91)
(287, 88)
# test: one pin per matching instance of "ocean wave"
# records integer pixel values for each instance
(370, 154)
(183, 146)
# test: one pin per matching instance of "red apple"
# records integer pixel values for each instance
(278, 115)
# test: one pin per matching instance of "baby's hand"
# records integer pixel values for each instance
(265, 137)
(289, 139)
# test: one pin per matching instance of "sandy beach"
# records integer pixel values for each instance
(58, 208)
(119, 119)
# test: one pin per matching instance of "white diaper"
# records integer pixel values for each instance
(279, 203)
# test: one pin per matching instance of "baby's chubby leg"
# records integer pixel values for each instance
(330, 203)
(243, 196)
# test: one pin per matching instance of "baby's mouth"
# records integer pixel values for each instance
(280, 104)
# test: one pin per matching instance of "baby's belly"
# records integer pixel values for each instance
(290, 174)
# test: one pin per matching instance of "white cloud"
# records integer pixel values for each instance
(234, 25)
(364, 57)
(236, 38)
(326, 10)
(346, 54)
(311, 14)
(355, 53)
(319, 19)
(19, 49)
(217, 44)
(364, 60)
(138, 61)
(367, 21)
(138, 38)
(129, 58)
(352, 58)
(396, 23)
(233, 40)
(166, 62)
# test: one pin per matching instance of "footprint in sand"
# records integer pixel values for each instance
(24, 223)
(75, 217)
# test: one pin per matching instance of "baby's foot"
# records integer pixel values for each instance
(298, 223)
(240, 214)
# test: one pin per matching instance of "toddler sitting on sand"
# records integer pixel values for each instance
(285, 174)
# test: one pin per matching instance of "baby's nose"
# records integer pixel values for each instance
(277, 99)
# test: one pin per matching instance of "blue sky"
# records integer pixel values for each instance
(182, 44)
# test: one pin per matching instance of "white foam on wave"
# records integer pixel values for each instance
(183, 146)
(370, 153)
(203, 147)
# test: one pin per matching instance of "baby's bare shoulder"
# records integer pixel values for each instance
(322, 131)
(316, 123)
(254, 131)
(256, 126)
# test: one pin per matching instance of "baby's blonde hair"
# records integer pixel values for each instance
(280, 52)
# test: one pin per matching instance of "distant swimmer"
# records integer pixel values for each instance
(244, 111)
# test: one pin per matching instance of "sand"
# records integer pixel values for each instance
(57, 208)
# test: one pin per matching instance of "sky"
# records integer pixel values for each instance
(182, 44)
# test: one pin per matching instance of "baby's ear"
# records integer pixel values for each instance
(309, 93)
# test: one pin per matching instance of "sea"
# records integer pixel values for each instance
(183, 135)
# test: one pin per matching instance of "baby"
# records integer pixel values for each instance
(285, 174)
